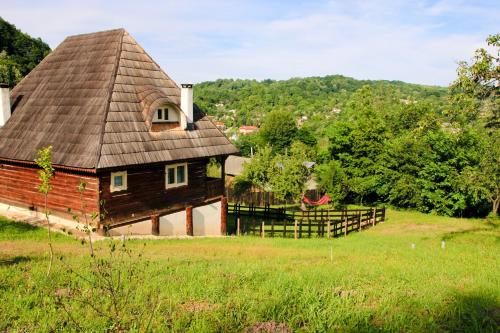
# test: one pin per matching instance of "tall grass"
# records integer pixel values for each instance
(376, 281)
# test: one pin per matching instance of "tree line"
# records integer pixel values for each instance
(246, 102)
(19, 53)
(435, 155)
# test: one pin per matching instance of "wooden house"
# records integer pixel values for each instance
(118, 122)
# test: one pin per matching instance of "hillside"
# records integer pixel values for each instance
(246, 101)
(19, 53)
(371, 281)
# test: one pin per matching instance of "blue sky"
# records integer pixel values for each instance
(193, 41)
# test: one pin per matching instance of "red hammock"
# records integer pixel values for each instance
(322, 201)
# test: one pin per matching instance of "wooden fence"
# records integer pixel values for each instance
(265, 198)
(277, 222)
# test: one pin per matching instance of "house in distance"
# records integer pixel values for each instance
(119, 123)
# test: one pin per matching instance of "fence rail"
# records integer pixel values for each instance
(265, 198)
(277, 222)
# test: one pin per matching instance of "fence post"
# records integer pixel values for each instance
(346, 222)
(328, 226)
(359, 220)
(223, 217)
(321, 226)
(155, 224)
(262, 228)
(238, 230)
(189, 221)
(285, 220)
(374, 214)
(295, 229)
(309, 227)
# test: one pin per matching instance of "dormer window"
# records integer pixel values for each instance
(162, 115)
(166, 115)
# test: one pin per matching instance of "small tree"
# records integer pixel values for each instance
(89, 218)
(44, 161)
(257, 171)
(112, 285)
(241, 185)
(332, 179)
(289, 174)
(112, 288)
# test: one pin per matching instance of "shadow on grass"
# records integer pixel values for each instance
(486, 226)
(471, 313)
(16, 227)
(14, 260)
(12, 230)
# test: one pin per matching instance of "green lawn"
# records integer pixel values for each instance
(376, 281)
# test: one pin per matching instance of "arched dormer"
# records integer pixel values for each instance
(160, 111)
(165, 116)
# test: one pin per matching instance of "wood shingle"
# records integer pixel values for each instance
(91, 99)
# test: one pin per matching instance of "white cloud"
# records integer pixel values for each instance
(204, 40)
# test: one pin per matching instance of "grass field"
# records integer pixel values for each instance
(369, 281)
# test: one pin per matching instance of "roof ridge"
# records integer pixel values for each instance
(96, 33)
(110, 92)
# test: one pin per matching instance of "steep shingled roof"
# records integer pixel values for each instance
(92, 99)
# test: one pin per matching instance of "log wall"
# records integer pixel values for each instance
(146, 194)
(19, 186)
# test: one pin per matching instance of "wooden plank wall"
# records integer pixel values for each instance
(146, 193)
(19, 186)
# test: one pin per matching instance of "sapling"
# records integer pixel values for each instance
(45, 175)
(87, 228)
(112, 286)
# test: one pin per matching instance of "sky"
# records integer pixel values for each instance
(193, 41)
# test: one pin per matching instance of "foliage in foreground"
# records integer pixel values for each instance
(376, 281)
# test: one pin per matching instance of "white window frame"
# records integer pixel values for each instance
(176, 183)
(123, 187)
(164, 111)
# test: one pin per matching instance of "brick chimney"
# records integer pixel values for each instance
(187, 105)
(4, 104)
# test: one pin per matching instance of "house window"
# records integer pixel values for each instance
(118, 181)
(175, 175)
(161, 114)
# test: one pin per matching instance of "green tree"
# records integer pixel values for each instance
(483, 179)
(474, 97)
(9, 70)
(332, 179)
(248, 143)
(20, 53)
(357, 141)
(290, 173)
(278, 130)
(258, 170)
(476, 90)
